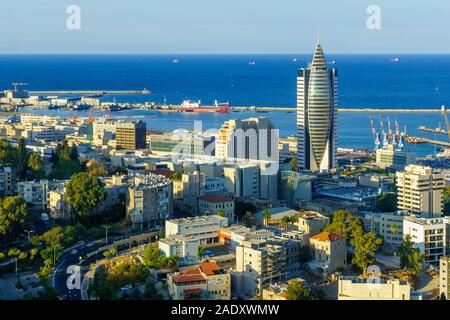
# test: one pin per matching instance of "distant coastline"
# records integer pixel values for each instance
(393, 110)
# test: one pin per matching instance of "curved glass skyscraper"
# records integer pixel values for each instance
(317, 115)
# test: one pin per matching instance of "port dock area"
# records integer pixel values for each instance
(267, 109)
(88, 92)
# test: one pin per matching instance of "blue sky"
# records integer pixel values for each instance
(224, 26)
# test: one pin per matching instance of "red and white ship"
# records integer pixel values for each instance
(193, 106)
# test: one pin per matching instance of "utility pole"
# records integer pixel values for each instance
(29, 231)
(106, 230)
(17, 276)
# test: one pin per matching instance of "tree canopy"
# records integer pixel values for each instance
(387, 202)
(13, 216)
(84, 192)
(296, 291)
(410, 258)
(365, 245)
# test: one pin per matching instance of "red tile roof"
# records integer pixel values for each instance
(209, 268)
(216, 198)
(327, 236)
(188, 278)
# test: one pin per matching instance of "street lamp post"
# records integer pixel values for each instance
(17, 276)
(28, 232)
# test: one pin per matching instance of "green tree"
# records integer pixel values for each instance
(13, 216)
(201, 251)
(393, 229)
(266, 216)
(64, 169)
(296, 291)
(96, 170)
(151, 257)
(73, 153)
(387, 202)
(35, 164)
(110, 253)
(410, 258)
(221, 212)
(293, 163)
(22, 156)
(248, 219)
(365, 245)
(8, 155)
(345, 225)
(84, 193)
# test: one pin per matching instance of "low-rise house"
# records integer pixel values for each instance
(311, 222)
(206, 282)
(330, 251)
(355, 288)
(213, 203)
(185, 248)
(34, 192)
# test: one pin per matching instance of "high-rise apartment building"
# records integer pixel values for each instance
(131, 135)
(249, 139)
(317, 92)
(419, 191)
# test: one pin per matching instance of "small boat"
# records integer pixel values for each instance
(332, 62)
(394, 60)
(175, 61)
(252, 63)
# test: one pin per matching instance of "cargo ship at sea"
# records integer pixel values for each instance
(196, 106)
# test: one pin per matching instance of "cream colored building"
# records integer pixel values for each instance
(249, 139)
(390, 157)
(419, 191)
(444, 280)
(387, 224)
(355, 288)
(330, 251)
(205, 282)
(311, 222)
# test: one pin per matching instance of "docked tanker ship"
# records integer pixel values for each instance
(192, 106)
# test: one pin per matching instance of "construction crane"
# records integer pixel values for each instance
(375, 134)
(390, 136)
(447, 124)
(383, 133)
(15, 84)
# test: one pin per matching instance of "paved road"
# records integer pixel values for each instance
(60, 276)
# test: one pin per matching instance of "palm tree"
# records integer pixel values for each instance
(394, 229)
(266, 215)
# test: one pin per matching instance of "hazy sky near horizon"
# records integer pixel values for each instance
(224, 26)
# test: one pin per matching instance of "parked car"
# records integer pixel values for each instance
(127, 287)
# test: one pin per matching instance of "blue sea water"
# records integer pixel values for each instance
(365, 81)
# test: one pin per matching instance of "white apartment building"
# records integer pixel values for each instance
(205, 229)
(419, 191)
(428, 235)
(34, 192)
(186, 248)
(249, 139)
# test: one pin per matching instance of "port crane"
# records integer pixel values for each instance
(16, 84)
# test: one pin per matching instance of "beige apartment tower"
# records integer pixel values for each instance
(419, 191)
